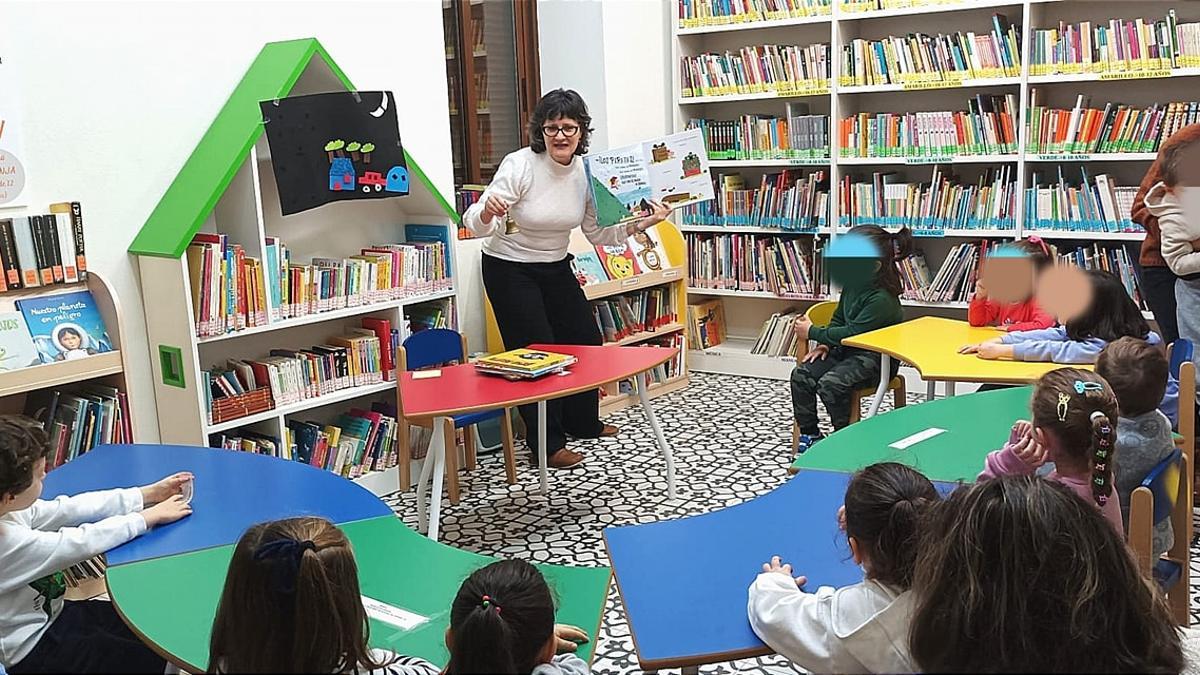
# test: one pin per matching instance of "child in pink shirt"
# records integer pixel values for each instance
(1074, 426)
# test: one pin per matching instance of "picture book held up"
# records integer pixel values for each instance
(672, 170)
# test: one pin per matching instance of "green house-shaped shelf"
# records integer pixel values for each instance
(227, 186)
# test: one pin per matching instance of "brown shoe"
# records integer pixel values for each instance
(609, 431)
(565, 459)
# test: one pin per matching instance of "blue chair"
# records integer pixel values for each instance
(1163, 494)
(432, 348)
(1180, 357)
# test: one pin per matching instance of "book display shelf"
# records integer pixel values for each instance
(227, 188)
(991, 121)
(649, 309)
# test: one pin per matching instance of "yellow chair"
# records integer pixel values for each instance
(820, 314)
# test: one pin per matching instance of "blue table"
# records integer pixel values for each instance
(253, 489)
(684, 582)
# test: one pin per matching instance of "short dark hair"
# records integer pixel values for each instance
(22, 444)
(1018, 575)
(884, 505)
(1137, 372)
(501, 619)
(555, 104)
(1111, 315)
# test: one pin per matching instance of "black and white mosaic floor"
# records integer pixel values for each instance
(730, 437)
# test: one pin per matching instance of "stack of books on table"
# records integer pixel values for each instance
(523, 364)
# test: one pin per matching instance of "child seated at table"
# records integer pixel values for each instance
(1137, 373)
(859, 628)
(1025, 314)
(39, 631)
(1074, 419)
(292, 604)
(1019, 575)
(870, 299)
(502, 621)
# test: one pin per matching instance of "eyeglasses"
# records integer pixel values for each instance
(567, 131)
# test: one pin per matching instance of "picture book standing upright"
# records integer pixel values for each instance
(65, 327)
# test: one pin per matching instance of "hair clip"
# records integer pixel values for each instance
(1034, 239)
(1102, 454)
(1064, 403)
(1081, 386)
(1102, 499)
(1100, 466)
(488, 602)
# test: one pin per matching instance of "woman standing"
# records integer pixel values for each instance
(527, 272)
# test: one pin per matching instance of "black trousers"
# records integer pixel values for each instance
(89, 637)
(1158, 283)
(543, 302)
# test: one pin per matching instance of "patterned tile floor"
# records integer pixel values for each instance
(730, 436)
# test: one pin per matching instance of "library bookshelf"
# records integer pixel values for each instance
(108, 368)
(228, 187)
(673, 275)
(844, 22)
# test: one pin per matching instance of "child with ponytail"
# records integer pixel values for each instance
(870, 299)
(861, 628)
(502, 621)
(1074, 426)
(292, 604)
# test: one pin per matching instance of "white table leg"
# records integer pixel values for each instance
(643, 387)
(930, 391)
(423, 482)
(434, 468)
(950, 389)
(885, 368)
(541, 431)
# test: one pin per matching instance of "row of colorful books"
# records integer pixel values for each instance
(43, 250)
(751, 262)
(468, 195)
(945, 203)
(794, 136)
(781, 69)
(855, 6)
(641, 253)
(1094, 204)
(988, 127)
(621, 316)
(357, 442)
(955, 279)
(1115, 46)
(696, 13)
(232, 291)
(358, 358)
(789, 200)
(1113, 258)
(1115, 128)
(918, 58)
(52, 328)
(777, 337)
(661, 373)
(706, 319)
(79, 418)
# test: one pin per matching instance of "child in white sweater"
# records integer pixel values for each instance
(39, 632)
(861, 628)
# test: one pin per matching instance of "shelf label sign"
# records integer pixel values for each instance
(928, 160)
(1135, 75)
(14, 182)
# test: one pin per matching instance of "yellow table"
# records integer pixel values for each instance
(931, 345)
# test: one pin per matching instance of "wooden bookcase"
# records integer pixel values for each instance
(108, 368)
(745, 317)
(674, 275)
(228, 186)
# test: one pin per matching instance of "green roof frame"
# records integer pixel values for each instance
(227, 143)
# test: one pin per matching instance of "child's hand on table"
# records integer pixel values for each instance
(166, 488)
(802, 326)
(568, 638)
(779, 567)
(994, 350)
(167, 511)
(817, 353)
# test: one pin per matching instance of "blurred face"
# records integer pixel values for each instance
(1065, 292)
(1008, 279)
(26, 498)
(562, 138)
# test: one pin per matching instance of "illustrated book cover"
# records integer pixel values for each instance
(672, 170)
(65, 327)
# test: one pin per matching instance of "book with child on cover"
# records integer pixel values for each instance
(65, 326)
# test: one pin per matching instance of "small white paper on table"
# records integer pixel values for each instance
(909, 441)
(390, 614)
(426, 374)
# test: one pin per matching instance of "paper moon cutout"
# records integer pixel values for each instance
(378, 112)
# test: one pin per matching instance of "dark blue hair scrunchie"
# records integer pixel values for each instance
(287, 555)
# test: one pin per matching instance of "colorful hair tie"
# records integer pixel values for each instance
(488, 602)
(287, 554)
(1064, 403)
(1081, 386)
(1034, 239)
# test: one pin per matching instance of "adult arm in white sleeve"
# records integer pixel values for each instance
(795, 624)
(28, 555)
(88, 507)
(511, 182)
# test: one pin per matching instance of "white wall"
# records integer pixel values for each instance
(117, 94)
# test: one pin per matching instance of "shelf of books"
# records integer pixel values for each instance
(275, 333)
(638, 295)
(971, 122)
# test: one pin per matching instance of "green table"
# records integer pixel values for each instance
(172, 601)
(974, 424)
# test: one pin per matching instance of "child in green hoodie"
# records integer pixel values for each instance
(863, 263)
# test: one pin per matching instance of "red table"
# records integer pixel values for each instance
(462, 389)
